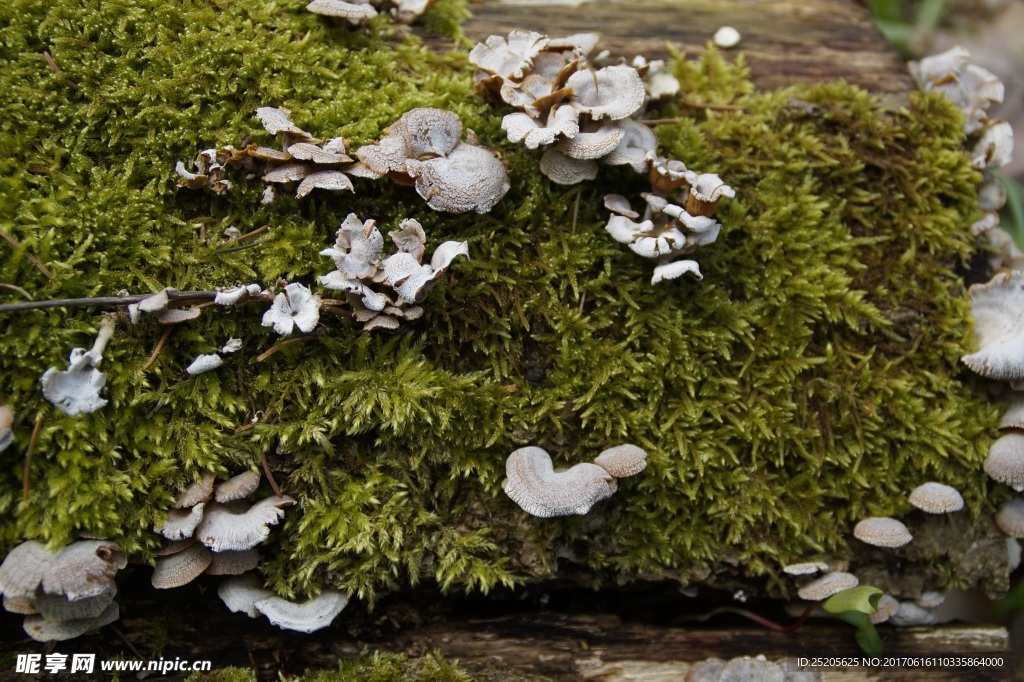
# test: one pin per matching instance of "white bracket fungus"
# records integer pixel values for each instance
(235, 526)
(6, 422)
(806, 568)
(998, 310)
(296, 306)
(533, 484)
(882, 531)
(358, 11)
(936, 498)
(204, 363)
(237, 295)
(1010, 517)
(43, 630)
(237, 487)
(244, 595)
(424, 148)
(76, 390)
(181, 568)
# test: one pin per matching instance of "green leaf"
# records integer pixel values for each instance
(861, 600)
(868, 639)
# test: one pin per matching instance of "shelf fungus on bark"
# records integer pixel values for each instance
(65, 593)
(882, 531)
(76, 390)
(1005, 461)
(1010, 517)
(998, 310)
(359, 11)
(6, 422)
(243, 594)
(806, 568)
(424, 148)
(827, 585)
(534, 484)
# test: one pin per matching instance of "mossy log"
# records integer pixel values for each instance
(810, 380)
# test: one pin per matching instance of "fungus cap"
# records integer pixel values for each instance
(1010, 517)
(236, 295)
(233, 528)
(330, 180)
(508, 57)
(181, 568)
(882, 531)
(565, 170)
(1005, 461)
(43, 630)
(470, 178)
(59, 607)
(296, 306)
(237, 487)
(241, 593)
(307, 151)
(534, 485)
(276, 121)
(806, 568)
(726, 37)
(622, 460)
(887, 606)
(76, 390)
(615, 92)
(178, 315)
(936, 498)
(827, 585)
(288, 172)
(233, 562)
(355, 11)
(22, 570)
(592, 142)
(998, 310)
(21, 605)
(676, 269)
(197, 492)
(6, 421)
(312, 615)
(430, 132)
(635, 148)
(181, 524)
(994, 149)
(1013, 418)
(204, 363)
(82, 569)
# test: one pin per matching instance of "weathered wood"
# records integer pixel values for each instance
(784, 42)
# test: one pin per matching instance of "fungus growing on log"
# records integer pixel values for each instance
(827, 585)
(882, 532)
(243, 594)
(936, 498)
(1005, 461)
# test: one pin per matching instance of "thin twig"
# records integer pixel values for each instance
(105, 300)
(761, 620)
(274, 349)
(35, 261)
(232, 249)
(128, 644)
(340, 311)
(253, 233)
(15, 288)
(159, 347)
(56, 69)
(576, 210)
(270, 476)
(28, 458)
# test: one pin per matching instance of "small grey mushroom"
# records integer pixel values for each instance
(291, 171)
(431, 132)
(806, 568)
(676, 269)
(561, 123)
(232, 346)
(276, 121)
(357, 247)
(592, 141)
(534, 485)
(233, 562)
(1010, 517)
(23, 606)
(236, 295)
(1005, 461)
(178, 315)
(181, 568)
(636, 147)
(197, 492)
(998, 310)
(237, 487)
(43, 630)
(565, 170)
(412, 280)
(936, 498)
(622, 460)
(508, 57)
(827, 585)
(82, 569)
(59, 607)
(306, 151)
(882, 531)
(181, 523)
(887, 607)
(331, 180)
(22, 570)
(239, 527)
(241, 593)
(706, 190)
(994, 149)
(410, 238)
(1013, 418)
(726, 37)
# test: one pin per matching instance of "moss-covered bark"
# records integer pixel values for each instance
(811, 379)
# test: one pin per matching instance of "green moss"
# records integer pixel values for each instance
(811, 378)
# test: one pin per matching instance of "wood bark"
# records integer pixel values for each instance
(785, 43)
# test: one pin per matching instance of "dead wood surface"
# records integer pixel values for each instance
(785, 42)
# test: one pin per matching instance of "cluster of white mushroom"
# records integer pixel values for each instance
(931, 497)
(583, 115)
(212, 530)
(359, 11)
(423, 149)
(63, 594)
(973, 90)
(533, 483)
(385, 291)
